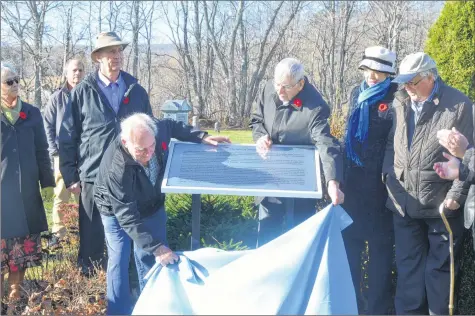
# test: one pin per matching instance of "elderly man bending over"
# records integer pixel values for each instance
(128, 195)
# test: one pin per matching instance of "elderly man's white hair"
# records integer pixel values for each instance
(6, 67)
(136, 122)
(289, 67)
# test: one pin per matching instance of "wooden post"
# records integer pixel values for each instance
(195, 221)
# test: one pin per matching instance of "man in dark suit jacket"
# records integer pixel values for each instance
(291, 111)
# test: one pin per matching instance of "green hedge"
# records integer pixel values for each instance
(227, 222)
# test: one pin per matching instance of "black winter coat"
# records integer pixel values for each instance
(90, 124)
(25, 165)
(365, 192)
(307, 125)
(122, 189)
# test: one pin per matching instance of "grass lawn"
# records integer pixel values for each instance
(236, 136)
(48, 204)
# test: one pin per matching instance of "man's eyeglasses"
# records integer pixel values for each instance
(412, 84)
(286, 86)
(143, 151)
(11, 81)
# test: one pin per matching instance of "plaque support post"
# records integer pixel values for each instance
(195, 220)
(289, 213)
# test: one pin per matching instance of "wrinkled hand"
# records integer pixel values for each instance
(451, 204)
(165, 256)
(263, 145)
(336, 195)
(455, 142)
(448, 170)
(214, 140)
(75, 188)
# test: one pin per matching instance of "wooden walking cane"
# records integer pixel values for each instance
(451, 251)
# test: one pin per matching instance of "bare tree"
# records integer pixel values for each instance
(137, 23)
(222, 51)
(18, 23)
(148, 38)
(390, 15)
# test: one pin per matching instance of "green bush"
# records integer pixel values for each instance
(451, 42)
(227, 222)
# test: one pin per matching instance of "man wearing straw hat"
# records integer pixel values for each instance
(90, 123)
(423, 106)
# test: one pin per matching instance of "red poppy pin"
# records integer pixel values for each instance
(164, 146)
(383, 107)
(126, 100)
(297, 104)
(23, 115)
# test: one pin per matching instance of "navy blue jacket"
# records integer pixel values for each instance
(90, 124)
(25, 165)
(122, 189)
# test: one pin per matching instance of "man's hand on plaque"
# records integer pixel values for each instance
(336, 195)
(214, 140)
(263, 145)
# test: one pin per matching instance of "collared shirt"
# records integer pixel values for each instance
(152, 169)
(417, 106)
(114, 91)
(415, 114)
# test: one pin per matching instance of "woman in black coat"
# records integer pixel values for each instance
(25, 165)
(368, 125)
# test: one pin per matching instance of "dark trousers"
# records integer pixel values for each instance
(379, 299)
(473, 235)
(272, 216)
(423, 263)
(91, 232)
(365, 199)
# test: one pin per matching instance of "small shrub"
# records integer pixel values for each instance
(223, 219)
(337, 123)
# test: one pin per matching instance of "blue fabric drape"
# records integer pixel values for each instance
(304, 271)
(358, 122)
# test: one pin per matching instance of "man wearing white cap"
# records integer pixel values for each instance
(368, 126)
(90, 123)
(424, 106)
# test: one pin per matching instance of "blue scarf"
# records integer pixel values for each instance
(358, 122)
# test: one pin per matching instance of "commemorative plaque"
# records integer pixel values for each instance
(229, 169)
